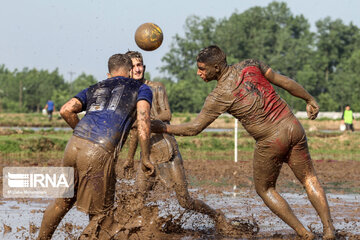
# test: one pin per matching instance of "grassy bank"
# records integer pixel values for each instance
(46, 147)
(30, 120)
(224, 121)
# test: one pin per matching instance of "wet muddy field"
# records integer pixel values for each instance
(223, 185)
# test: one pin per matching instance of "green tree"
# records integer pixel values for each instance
(9, 90)
(38, 87)
(271, 34)
(28, 90)
(181, 56)
(335, 41)
(345, 88)
(81, 82)
(188, 89)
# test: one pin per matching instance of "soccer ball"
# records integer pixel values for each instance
(148, 36)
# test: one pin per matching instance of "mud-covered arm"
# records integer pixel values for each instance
(143, 121)
(210, 111)
(70, 110)
(164, 107)
(294, 89)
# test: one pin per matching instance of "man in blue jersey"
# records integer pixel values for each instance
(50, 108)
(111, 108)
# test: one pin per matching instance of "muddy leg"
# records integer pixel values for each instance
(173, 176)
(53, 215)
(266, 172)
(305, 172)
(189, 203)
(176, 174)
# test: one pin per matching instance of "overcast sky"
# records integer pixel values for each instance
(80, 35)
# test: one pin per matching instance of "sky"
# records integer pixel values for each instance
(78, 36)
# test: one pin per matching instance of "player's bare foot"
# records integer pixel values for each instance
(329, 232)
(329, 235)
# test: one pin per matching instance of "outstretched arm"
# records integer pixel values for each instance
(296, 90)
(70, 110)
(143, 119)
(211, 110)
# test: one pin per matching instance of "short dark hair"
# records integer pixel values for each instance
(117, 61)
(135, 54)
(212, 55)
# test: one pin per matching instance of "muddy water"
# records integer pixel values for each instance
(24, 219)
(21, 219)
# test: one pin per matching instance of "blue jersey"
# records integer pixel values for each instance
(110, 110)
(50, 105)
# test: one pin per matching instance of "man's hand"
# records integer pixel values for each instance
(158, 126)
(147, 167)
(312, 109)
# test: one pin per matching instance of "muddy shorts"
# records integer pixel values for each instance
(163, 148)
(288, 144)
(165, 155)
(172, 173)
(94, 175)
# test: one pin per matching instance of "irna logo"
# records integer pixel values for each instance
(17, 180)
(38, 182)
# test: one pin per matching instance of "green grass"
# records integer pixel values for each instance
(207, 145)
(29, 141)
(7, 146)
(30, 120)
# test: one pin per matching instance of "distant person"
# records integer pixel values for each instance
(348, 119)
(244, 90)
(50, 108)
(111, 106)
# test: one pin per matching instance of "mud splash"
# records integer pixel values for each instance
(131, 219)
(24, 217)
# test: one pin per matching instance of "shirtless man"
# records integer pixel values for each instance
(244, 90)
(165, 154)
(111, 108)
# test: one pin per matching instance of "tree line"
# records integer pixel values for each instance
(28, 90)
(325, 61)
